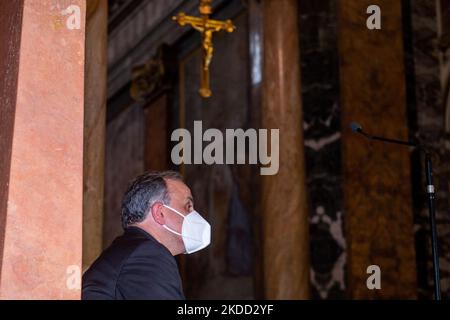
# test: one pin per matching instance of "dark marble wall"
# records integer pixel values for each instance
(125, 143)
(320, 94)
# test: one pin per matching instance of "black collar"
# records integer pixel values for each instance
(134, 230)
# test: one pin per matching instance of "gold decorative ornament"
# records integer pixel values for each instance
(206, 27)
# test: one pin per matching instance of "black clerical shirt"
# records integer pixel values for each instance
(135, 266)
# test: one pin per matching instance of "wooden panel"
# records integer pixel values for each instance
(376, 176)
(94, 130)
(157, 135)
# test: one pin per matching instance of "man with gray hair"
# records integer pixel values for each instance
(159, 222)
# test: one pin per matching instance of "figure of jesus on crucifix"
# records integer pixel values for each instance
(207, 44)
(207, 27)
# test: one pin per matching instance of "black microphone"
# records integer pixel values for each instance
(356, 127)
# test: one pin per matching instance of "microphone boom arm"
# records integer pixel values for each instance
(356, 127)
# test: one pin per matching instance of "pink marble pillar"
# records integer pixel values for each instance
(41, 229)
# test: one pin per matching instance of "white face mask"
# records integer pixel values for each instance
(195, 231)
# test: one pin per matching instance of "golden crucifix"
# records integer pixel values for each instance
(207, 27)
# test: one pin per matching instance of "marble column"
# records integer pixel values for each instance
(94, 128)
(41, 227)
(285, 224)
(377, 181)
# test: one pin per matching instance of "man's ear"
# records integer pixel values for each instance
(156, 212)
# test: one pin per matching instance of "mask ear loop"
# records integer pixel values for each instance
(173, 231)
(166, 227)
(179, 213)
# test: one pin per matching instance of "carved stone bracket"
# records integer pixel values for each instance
(153, 77)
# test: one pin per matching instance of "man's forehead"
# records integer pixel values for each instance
(178, 188)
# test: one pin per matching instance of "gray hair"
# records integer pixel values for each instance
(143, 192)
